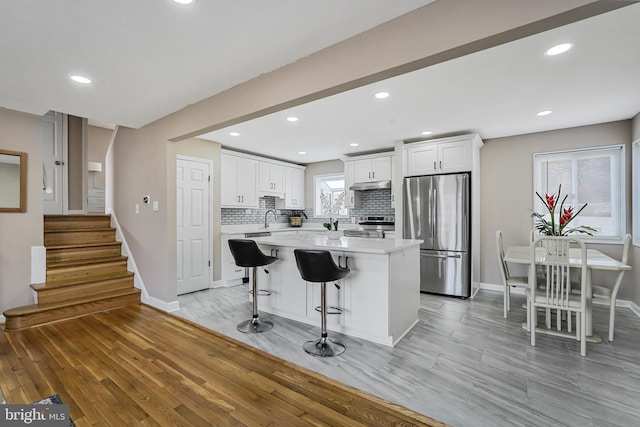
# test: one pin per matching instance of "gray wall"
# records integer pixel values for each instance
(507, 191)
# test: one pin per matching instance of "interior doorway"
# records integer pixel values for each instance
(51, 136)
(193, 219)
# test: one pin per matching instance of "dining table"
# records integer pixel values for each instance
(596, 260)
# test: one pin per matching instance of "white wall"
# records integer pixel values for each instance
(20, 231)
(507, 190)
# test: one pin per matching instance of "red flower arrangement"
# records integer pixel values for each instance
(566, 215)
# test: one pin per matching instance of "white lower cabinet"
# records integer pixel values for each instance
(379, 298)
(230, 271)
(288, 290)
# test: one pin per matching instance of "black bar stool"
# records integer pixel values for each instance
(319, 267)
(247, 254)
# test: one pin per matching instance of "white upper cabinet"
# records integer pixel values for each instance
(271, 179)
(427, 158)
(372, 169)
(351, 199)
(294, 188)
(238, 186)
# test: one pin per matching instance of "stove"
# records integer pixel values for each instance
(372, 227)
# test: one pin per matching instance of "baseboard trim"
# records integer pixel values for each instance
(131, 262)
(169, 307)
(500, 288)
(619, 302)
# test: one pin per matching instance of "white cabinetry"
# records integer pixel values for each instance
(372, 169)
(352, 198)
(238, 176)
(450, 155)
(95, 200)
(271, 179)
(379, 297)
(293, 188)
(427, 158)
(283, 280)
(230, 271)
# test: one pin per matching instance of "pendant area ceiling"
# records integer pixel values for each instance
(495, 93)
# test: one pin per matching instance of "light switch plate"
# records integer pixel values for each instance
(156, 208)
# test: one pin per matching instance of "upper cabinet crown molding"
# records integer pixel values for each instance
(444, 155)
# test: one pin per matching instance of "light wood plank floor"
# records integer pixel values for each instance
(463, 363)
(137, 366)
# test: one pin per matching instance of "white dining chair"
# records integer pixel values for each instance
(508, 281)
(551, 253)
(608, 295)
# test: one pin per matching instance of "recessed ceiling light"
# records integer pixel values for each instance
(302, 152)
(292, 119)
(184, 1)
(354, 144)
(544, 113)
(426, 132)
(558, 49)
(80, 79)
(234, 134)
(382, 95)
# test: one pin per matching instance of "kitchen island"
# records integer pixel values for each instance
(379, 298)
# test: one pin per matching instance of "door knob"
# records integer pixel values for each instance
(58, 163)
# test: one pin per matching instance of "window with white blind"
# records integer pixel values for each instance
(591, 176)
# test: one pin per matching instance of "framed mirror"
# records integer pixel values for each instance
(13, 181)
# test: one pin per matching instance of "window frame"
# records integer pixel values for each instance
(316, 198)
(537, 179)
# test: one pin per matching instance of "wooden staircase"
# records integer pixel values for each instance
(86, 273)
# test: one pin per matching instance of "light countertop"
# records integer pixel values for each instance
(347, 244)
(278, 228)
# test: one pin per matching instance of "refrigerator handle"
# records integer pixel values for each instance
(444, 256)
(434, 214)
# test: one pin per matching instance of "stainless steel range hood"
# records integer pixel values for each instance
(376, 185)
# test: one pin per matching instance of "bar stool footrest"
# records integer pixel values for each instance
(330, 310)
(261, 292)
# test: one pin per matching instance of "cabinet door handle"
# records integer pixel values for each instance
(373, 174)
(434, 165)
(440, 164)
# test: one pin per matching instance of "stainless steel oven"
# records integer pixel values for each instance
(372, 227)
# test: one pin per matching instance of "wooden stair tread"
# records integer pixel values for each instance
(85, 262)
(78, 230)
(95, 278)
(82, 245)
(111, 278)
(39, 308)
(76, 216)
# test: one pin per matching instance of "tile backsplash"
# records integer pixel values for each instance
(372, 202)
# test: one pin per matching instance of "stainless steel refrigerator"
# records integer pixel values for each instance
(437, 210)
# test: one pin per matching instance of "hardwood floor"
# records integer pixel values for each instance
(463, 363)
(138, 366)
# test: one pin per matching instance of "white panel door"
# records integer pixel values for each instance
(192, 218)
(50, 137)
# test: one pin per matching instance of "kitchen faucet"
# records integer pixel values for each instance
(266, 224)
